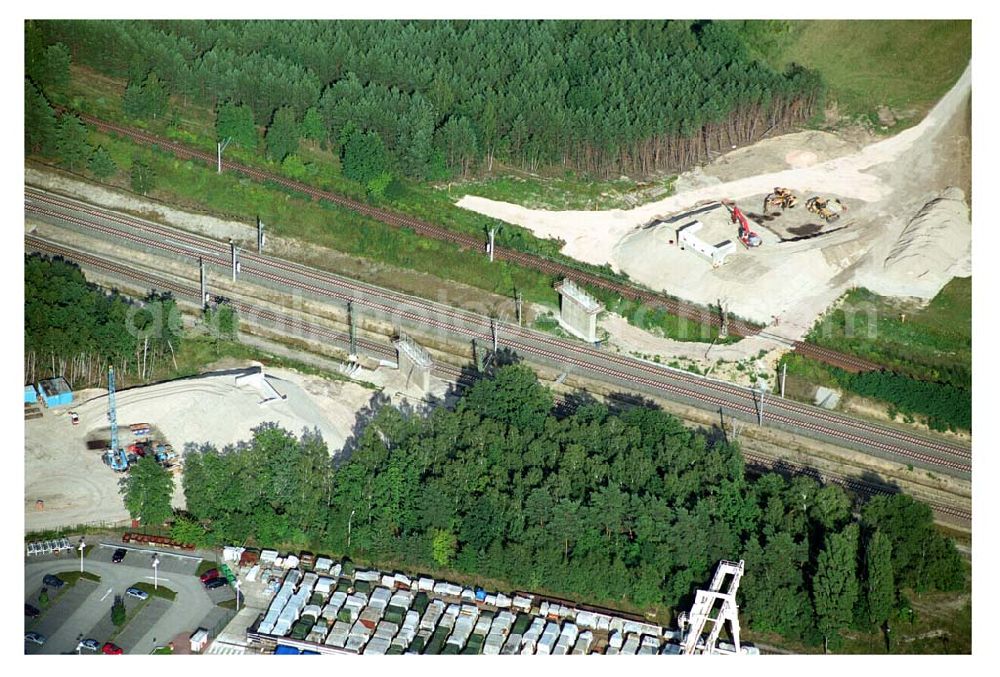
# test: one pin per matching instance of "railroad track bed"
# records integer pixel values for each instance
(445, 319)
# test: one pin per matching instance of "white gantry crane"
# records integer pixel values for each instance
(705, 603)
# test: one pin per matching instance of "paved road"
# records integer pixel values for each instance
(896, 443)
(158, 618)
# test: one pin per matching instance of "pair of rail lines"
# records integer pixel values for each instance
(687, 311)
(716, 393)
(444, 370)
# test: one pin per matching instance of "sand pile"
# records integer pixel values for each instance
(933, 248)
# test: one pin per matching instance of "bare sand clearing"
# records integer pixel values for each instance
(792, 281)
(76, 487)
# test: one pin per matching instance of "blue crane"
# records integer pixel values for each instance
(115, 456)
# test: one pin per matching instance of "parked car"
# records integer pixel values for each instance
(209, 575)
(111, 649)
(215, 583)
(35, 637)
(53, 581)
(89, 645)
(30, 611)
(119, 555)
(137, 593)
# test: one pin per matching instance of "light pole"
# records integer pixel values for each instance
(237, 594)
(156, 564)
(80, 548)
(221, 146)
(349, 529)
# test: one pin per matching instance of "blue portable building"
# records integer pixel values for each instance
(30, 394)
(55, 392)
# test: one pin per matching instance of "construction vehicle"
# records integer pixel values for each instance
(747, 236)
(781, 197)
(164, 454)
(115, 456)
(829, 209)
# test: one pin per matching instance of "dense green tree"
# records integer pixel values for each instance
(880, 585)
(293, 167)
(156, 95)
(39, 122)
(147, 490)
(233, 121)
(147, 99)
(921, 557)
(187, 530)
(65, 317)
(605, 97)
(364, 157)
(835, 585)
(133, 101)
(101, 164)
(142, 176)
(594, 504)
(71, 142)
(47, 66)
(312, 125)
(282, 136)
(443, 545)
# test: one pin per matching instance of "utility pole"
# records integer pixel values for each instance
(221, 146)
(518, 301)
(724, 328)
(235, 259)
(489, 247)
(352, 332)
(260, 236)
(204, 291)
(349, 529)
(784, 369)
(760, 408)
(495, 330)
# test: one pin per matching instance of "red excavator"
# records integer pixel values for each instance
(746, 234)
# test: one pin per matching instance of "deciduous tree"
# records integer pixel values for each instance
(148, 489)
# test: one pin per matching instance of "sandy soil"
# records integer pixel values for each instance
(77, 487)
(885, 184)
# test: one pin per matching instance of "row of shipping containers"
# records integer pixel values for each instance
(371, 612)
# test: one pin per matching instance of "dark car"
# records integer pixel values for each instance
(119, 555)
(53, 581)
(30, 611)
(214, 583)
(111, 649)
(209, 575)
(89, 645)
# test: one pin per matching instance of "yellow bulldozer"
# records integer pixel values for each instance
(829, 209)
(781, 197)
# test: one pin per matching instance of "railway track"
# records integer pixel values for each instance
(857, 484)
(622, 369)
(443, 370)
(675, 307)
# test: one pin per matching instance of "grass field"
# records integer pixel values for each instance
(931, 343)
(907, 65)
(159, 591)
(568, 191)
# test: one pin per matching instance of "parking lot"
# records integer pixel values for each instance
(83, 610)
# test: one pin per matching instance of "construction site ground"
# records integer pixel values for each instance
(788, 285)
(63, 466)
